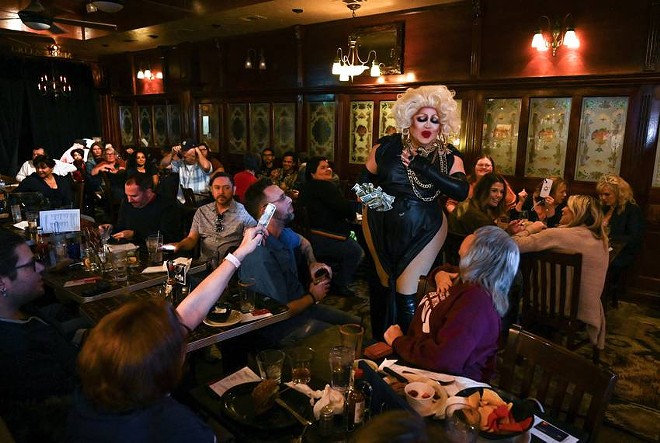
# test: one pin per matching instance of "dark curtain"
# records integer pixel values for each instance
(29, 119)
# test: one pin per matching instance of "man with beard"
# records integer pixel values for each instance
(143, 212)
(219, 225)
(274, 268)
(287, 176)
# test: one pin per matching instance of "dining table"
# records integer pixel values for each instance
(208, 333)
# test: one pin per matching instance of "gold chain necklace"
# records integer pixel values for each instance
(439, 151)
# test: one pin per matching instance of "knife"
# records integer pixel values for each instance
(395, 374)
(293, 413)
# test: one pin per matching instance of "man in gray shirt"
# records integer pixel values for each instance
(219, 225)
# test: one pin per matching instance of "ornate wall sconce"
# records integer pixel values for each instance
(252, 57)
(555, 33)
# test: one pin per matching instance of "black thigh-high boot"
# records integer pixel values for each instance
(405, 310)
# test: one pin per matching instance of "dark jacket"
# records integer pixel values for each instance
(327, 209)
(60, 197)
(626, 228)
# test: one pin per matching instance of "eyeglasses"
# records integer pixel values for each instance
(281, 198)
(32, 263)
(218, 223)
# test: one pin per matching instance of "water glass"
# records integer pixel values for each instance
(524, 215)
(301, 361)
(120, 263)
(351, 337)
(246, 294)
(341, 367)
(16, 213)
(270, 364)
(154, 247)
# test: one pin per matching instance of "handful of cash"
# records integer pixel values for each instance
(373, 198)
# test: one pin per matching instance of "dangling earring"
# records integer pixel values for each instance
(405, 139)
(3, 291)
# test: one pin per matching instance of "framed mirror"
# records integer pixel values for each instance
(387, 41)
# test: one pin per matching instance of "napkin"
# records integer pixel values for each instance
(21, 225)
(333, 398)
(163, 267)
(304, 389)
(123, 247)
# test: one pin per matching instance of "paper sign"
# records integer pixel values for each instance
(59, 220)
(244, 375)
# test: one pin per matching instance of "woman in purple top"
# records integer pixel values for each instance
(456, 331)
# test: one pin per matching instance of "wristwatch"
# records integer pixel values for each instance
(316, 302)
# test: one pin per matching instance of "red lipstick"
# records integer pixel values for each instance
(426, 134)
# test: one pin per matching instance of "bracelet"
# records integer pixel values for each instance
(316, 302)
(231, 258)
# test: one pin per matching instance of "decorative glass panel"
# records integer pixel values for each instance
(160, 126)
(321, 129)
(209, 125)
(362, 117)
(145, 124)
(386, 123)
(174, 123)
(284, 127)
(656, 172)
(237, 130)
(602, 127)
(259, 126)
(455, 138)
(126, 124)
(500, 132)
(547, 136)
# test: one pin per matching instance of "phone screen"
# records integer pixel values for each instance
(551, 431)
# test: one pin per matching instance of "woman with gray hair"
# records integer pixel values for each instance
(457, 331)
(418, 168)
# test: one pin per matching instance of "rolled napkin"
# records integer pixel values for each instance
(304, 389)
(333, 398)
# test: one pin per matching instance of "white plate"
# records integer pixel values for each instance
(234, 317)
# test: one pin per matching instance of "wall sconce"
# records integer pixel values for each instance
(557, 33)
(252, 55)
(148, 74)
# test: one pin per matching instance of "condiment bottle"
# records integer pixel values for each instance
(355, 404)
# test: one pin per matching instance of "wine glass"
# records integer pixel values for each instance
(462, 423)
(105, 234)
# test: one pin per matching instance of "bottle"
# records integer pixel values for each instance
(326, 420)
(355, 404)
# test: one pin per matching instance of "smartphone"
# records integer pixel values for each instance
(545, 188)
(168, 247)
(320, 274)
(267, 215)
(551, 431)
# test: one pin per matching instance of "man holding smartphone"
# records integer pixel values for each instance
(274, 267)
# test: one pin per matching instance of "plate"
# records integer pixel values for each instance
(237, 404)
(520, 410)
(234, 318)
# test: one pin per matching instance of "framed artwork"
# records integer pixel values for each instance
(174, 123)
(146, 129)
(499, 137)
(387, 41)
(656, 171)
(362, 117)
(237, 130)
(602, 128)
(321, 129)
(126, 125)
(259, 126)
(386, 123)
(209, 125)
(547, 136)
(160, 126)
(284, 127)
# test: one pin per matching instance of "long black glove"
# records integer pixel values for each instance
(455, 186)
(366, 176)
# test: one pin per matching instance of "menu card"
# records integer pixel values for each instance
(59, 220)
(245, 375)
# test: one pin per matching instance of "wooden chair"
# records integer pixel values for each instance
(551, 295)
(568, 386)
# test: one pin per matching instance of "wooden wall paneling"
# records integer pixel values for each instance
(572, 142)
(652, 37)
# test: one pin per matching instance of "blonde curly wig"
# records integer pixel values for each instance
(437, 97)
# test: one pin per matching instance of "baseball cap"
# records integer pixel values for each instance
(189, 143)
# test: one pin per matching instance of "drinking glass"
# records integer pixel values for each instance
(120, 263)
(351, 337)
(246, 294)
(524, 215)
(301, 360)
(16, 213)
(462, 424)
(341, 366)
(270, 364)
(154, 247)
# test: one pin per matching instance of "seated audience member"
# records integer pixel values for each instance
(95, 156)
(77, 144)
(547, 209)
(37, 359)
(215, 163)
(138, 163)
(80, 174)
(486, 165)
(286, 176)
(55, 188)
(274, 267)
(144, 212)
(27, 168)
(193, 168)
(457, 332)
(114, 170)
(133, 359)
(623, 223)
(244, 179)
(484, 208)
(329, 213)
(218, 225)
(267, 163)
(580, 230)
(119, 156)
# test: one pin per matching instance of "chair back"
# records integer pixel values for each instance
(189, 197)
(424, 286)
(551, 292)
(79, 195)
(570, 387)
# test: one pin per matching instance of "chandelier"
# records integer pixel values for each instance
(349, 65)
(54, 85)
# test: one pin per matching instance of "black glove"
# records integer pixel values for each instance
(455, 186)
(366, 177)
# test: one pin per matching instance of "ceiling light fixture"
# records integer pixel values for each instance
(90, 8)
(110, 6)
(349, 65)
(54, 85)
(556, 33)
